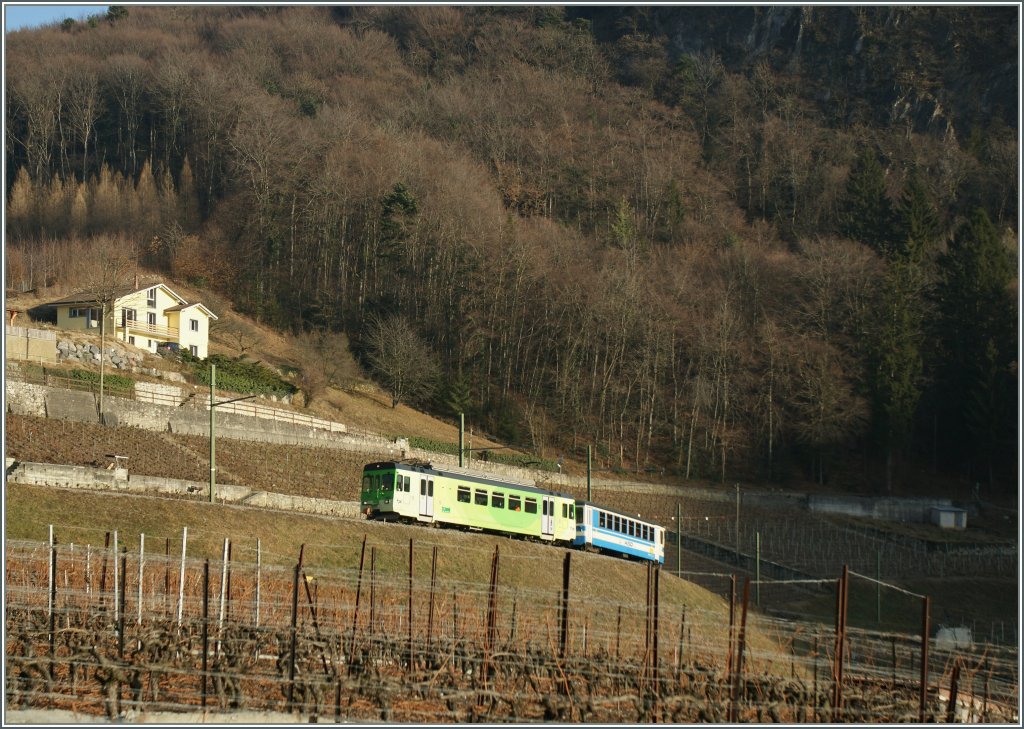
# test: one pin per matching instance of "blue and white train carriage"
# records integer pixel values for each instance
(607, 530)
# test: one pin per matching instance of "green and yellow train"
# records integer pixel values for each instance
(419, 492)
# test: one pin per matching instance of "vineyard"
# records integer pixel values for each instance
(814, 545)
(103, 631)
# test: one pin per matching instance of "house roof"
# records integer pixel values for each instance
(182, 307)
(85, 297)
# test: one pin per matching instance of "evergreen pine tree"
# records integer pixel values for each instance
(977, 336)
(916, 226)
(866, 213)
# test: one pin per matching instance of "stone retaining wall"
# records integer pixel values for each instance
(118, 479)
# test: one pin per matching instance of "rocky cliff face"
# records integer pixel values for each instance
(911, 65)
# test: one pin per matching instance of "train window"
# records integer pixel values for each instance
(513, 503)
(463, 494)
(600, 519)
(408, 484)
(388, 481)
(565, 511)
(498, 500)
(480, 497)
(423, 487)
(531, 506)
(616, 524)
(579, 514)
(430, 487)
(661, 536)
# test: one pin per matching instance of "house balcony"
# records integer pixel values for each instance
(152, 331)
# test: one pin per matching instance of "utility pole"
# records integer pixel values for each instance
(462, 439)
(588, 474)
(213, 438)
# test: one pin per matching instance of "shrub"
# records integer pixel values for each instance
(110, 382)
(237, 375)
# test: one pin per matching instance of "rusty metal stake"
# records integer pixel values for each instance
(925, 610)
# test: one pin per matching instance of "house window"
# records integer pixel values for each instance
(149, 343)
(131, 340)
(151, 319)
(193, 324)
(151, 298)
(73, 313)
(194, 351)
(128, 315)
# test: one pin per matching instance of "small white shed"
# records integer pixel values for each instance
(948, 517)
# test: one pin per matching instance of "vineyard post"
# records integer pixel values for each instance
(878, 586)
(167, 573)
(373, 587)
(206, 622)
(926, 605)
(757, 568)
(953, 690)
(563, 633)
(657, 605)
(88, 574)
(737, 525)
(837, 671)
(618, 631)
(51, 578)
(355, 611)
(120, 613)
(741, 643)
(116, 603)
(682, 634)
(732, 624)
(142, 556)
(259, 565)
(52, 597)
(223, 588)
(430, 610)
(294, 630)
(409, 612)
(181, 577)
(814, 702)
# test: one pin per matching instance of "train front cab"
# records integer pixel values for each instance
(388, 491)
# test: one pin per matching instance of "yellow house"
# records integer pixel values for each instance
(145, 317)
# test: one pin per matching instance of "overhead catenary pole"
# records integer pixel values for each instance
(213, 439)
(588, 474)
(462, 440)
(679, 540)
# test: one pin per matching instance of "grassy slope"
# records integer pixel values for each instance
(597, 582)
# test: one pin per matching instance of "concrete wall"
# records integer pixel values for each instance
(72, 405)
(887, 509)
(34, 345)
(98, 479)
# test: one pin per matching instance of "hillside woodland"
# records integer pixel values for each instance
(763, 243)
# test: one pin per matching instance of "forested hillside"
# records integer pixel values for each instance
(763, 243)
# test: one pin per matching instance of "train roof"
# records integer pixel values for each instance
(476, 477)
(618, 513)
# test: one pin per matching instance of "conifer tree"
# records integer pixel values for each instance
(916, 225)
(977, 325)
(866, 214)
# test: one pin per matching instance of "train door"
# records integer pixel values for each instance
(547, 517)
(427, 498)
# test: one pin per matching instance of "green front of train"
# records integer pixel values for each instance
(378, 489)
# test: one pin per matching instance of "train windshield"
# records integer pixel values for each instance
(387, 481)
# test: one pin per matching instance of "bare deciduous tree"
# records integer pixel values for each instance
(401, 359)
